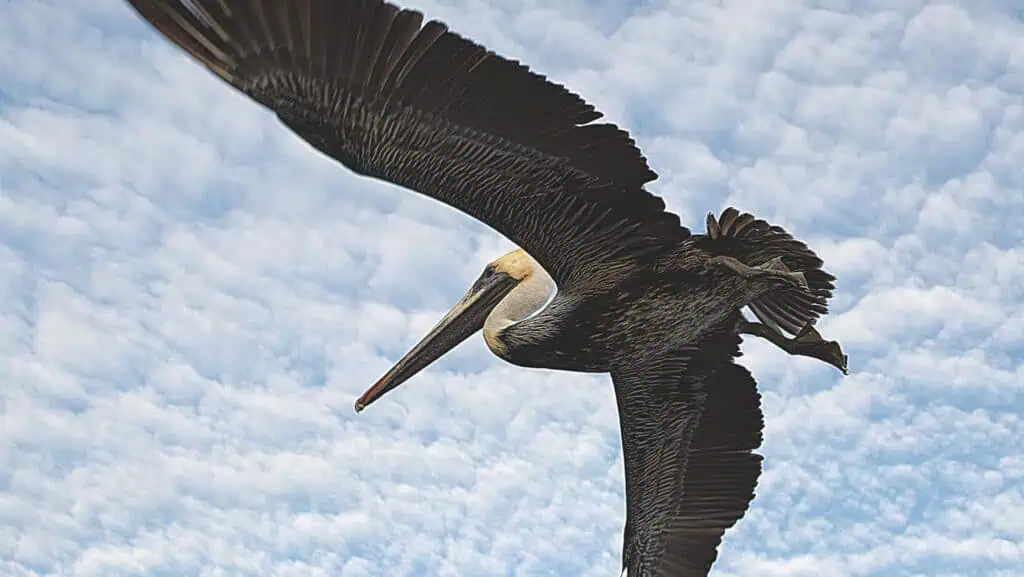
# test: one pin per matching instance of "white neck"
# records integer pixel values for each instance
(527, 299)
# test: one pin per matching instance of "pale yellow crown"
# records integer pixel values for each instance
(516, 264)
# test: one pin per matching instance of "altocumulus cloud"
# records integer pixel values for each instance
(191, 299)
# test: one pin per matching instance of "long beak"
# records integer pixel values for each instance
(464, 319)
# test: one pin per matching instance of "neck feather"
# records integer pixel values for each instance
(527, 299)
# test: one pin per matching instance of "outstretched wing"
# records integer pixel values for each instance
(690, 422)
(390, 97)
(754, 242)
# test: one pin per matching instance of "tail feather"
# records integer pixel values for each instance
(755, 242)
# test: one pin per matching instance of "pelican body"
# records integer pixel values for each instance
(586, 331)
(606, 280)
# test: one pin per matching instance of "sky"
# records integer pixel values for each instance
(191, 299)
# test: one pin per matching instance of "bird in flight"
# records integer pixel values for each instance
(605, 279)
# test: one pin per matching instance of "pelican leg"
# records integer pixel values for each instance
(808, 343)
(774, 268)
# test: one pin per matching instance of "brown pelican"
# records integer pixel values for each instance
(606, 279)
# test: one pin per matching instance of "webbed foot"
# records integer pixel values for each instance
(773, 269)
(808, 343)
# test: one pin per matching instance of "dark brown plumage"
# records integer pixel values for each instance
(698, 403)
(420, 106)
(410, 102)
(755, 242)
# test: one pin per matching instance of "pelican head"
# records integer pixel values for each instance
(468, 316)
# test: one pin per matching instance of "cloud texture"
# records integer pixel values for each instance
(191, 298)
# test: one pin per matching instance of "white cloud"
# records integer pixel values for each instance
(192, 298)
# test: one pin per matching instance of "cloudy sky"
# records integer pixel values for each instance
(191, 299)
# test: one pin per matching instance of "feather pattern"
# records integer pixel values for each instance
(410, 102)
(755, 242)
(689, 420)
(417, 105)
